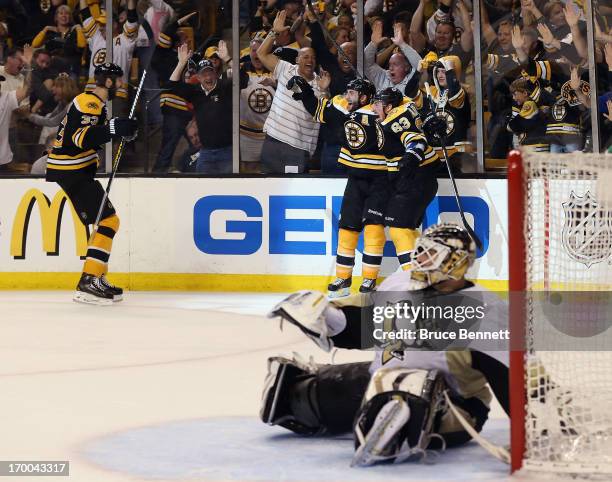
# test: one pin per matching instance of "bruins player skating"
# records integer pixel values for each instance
(72, 163)
(367, 188)
(393, 404)
(412, 164)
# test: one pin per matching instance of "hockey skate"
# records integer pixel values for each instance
(368, 285)
(339, 288)
(115, 290)
(384, 438)
(90, 290)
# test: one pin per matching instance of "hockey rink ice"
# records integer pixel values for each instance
(166, 387)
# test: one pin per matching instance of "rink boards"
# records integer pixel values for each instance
(236, 234)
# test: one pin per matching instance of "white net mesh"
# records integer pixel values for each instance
(568, 223)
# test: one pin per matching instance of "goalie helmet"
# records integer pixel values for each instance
(444, 251)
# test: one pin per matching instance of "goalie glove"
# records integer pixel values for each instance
(305, 309)
(434, 128)
(300, 87)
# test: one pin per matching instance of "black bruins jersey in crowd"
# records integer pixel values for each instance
(564, 121)
(363, 136)
(529, 124)
(164, 61)
(81, 133)
(401, 127)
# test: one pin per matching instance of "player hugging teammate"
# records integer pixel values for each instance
(391, 174)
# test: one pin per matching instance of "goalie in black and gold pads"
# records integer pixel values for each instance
(72, 163)
(366, 192)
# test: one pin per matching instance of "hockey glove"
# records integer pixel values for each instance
(300, 87)
(434, 128)
(126, 128)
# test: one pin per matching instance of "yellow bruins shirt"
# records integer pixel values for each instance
(401, 128)
(81, 133)
(363, 136)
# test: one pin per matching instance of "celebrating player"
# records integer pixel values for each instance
(72, 163)
(412, 164)
(366, 192)
(394, 404)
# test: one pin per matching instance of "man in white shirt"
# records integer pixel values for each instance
(9, 101)
(11, 71)
(291, 132)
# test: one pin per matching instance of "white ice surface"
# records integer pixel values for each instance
(166, 386)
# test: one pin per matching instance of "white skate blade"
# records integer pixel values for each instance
(390, 420)
(86, 298)
(117, 298)
(341, 293)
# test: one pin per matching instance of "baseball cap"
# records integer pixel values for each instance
(205, 64)
(210, 51)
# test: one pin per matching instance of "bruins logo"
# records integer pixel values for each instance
(450, 121)
(570, 95)
(558, 111)
(355, 134)
(99, 57)
(260, 101)
(380, 137)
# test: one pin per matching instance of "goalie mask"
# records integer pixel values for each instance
(444, 251)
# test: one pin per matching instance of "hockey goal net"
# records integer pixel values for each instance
(560, 247)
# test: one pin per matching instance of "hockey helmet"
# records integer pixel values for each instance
(108, 69)
(389, 96)
(444, 251)
(363, 87)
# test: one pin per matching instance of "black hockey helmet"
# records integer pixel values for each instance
(108, 69)
(444, 251)
(389, 96)
(363, 87)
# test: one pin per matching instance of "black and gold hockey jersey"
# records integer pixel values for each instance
(81, 133)
(401, 129)
(164, 61)
(363, 136)
(564, 118)
(529, 124)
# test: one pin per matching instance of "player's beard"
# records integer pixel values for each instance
(112, 92)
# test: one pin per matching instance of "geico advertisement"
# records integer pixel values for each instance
(234, 225)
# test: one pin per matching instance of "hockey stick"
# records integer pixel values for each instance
(331, 39)
(466, 225)
(117, 158)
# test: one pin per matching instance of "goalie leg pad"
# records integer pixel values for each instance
(289, 396)
(397, 416)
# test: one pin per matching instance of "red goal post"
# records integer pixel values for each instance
(560, 270)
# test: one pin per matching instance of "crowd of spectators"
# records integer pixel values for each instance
(534, 61)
